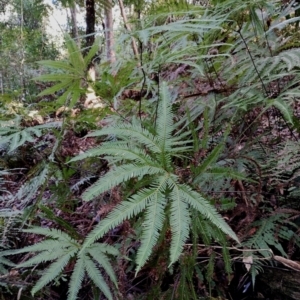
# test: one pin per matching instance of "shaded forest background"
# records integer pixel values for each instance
(153, 154)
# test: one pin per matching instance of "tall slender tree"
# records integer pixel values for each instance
(109, 34)
(90, 20)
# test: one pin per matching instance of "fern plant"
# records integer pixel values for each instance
(60, 249)
(143, 154)
(72, 74)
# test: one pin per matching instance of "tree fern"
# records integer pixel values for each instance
(150, 156)
(59, 249)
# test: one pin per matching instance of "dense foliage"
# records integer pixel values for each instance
(163, 165)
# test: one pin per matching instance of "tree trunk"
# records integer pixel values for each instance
(280, 283)
(127, 26)
(90, 20)
(74, 29)
(109, 34)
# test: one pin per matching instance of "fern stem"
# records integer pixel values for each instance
(252, 60)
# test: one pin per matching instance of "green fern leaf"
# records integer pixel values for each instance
(61, 65)
(117, 176)
(211, 158)
(134, 132)
(153, 223)
(199, 203)
(96, 251)
(123, 151)
(53, 271)
(284, 109)
(93, 50)
(97, 278)
(165, 125)
(76, 278)
(125, 210)
(75, 56)
(180, 221)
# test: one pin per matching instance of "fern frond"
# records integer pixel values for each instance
(180, 222)
(28, 191)
(76, 278)
(97, 278)
(133, 132)
(228, 173)
(108, 249)
(92, 52)
(200, 227)
(122, 151)
(19, 137)
(199, 203)
(44, 256)
(153, 223)
(121, 212)
(75, 56)
(119, 175)
(285, 109)
(62, 65)
(164, 122)
(97, 253)
(211, 158)
(42, 246)
(53, 271)
(51, 232)
(264, 237)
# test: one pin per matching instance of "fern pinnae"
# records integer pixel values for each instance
(92, 52)
(119, 175)
(180, 224)
(50, 232)
(75, 55)
(121, 212)
(97, 278)
(122, 151)
(44, 256)
(55, 88)
(211, 158)
(164, 122)
(53, 271)
(152, 224)
(76, 278)
(199, 203)
(63, 65)
(200, 227)
(42, 246)
(96, 253)
(133, 132)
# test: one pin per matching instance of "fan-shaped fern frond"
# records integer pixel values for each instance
(152, 151)
(59, 249)
(72, 73)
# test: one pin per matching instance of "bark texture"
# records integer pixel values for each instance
(281, 283)
(109, 34)
(90, 20)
